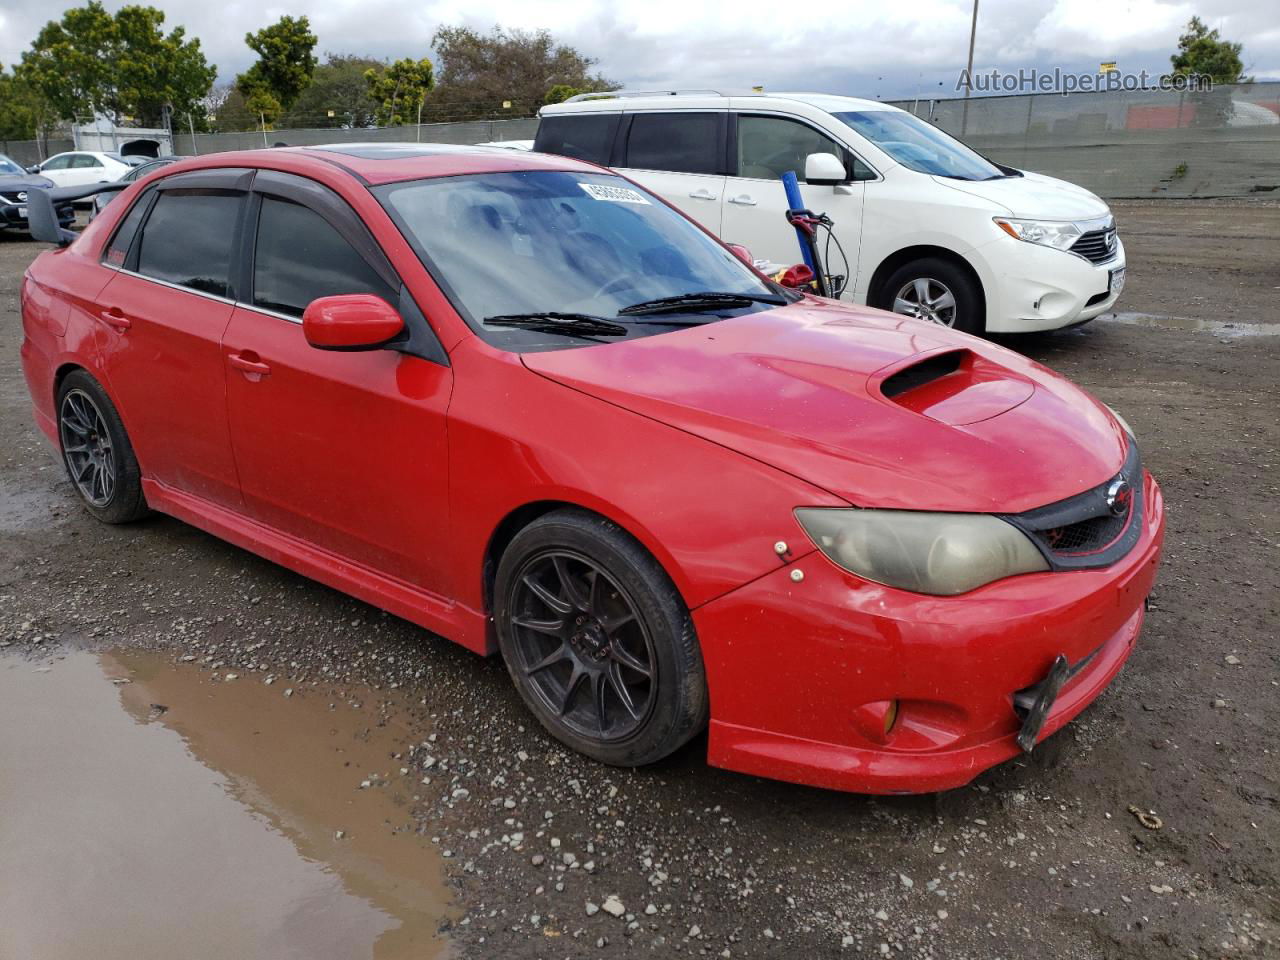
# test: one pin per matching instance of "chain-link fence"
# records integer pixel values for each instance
(1225, 142)
(1147, 143)
(475, 131)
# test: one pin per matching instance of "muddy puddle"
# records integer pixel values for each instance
(1219, 328)
(174, 815)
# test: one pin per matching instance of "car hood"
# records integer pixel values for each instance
(12, 182)
(1034, 196)
(879, 409)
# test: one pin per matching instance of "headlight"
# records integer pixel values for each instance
(1059, 234)
(937, 553)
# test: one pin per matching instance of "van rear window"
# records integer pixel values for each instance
(583, 136)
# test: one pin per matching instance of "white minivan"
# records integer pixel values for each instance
(928, 227)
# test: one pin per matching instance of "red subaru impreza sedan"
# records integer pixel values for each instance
(522, 402)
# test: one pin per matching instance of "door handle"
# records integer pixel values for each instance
(743, 199)
(114, 317)
(248, 364)
(702, 194)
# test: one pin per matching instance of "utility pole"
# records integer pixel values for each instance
(968, 86)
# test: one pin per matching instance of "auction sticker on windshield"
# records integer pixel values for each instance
(614, 194)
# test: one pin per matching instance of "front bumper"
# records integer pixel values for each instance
(1032, 288)
(796, 671)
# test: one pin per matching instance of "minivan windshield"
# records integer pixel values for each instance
(514, 251)
(919, 145)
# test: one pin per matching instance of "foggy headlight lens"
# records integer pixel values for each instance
(936, 553)
(1059, 234)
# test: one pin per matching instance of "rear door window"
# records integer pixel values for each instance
(189, 238)
(300, 257)
(82, 160)
(585, 136)
(677, 142)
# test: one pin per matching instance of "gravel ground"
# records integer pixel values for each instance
(554, 856)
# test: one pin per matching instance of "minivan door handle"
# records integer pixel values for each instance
(743, 199)
(702, 194)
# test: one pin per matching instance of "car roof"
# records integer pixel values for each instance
(378, 163)
(702, 99)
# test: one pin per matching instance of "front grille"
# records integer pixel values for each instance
(1096, 246)
(1085, 536)
(11, 198)
(1092, 529)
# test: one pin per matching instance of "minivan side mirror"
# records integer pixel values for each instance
(824, 170)
(352, 321)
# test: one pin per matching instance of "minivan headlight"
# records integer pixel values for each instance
(935, 553)
(1059, 234)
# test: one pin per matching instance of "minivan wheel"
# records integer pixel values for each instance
(96, 451)
(936, 290)
(597, 640)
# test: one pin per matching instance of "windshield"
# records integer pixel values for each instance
(8, 166)
(919, 145)
(504, 244)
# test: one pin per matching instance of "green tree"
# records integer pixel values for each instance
(284, 68)
(560, 92)
(400, 90)
(1203, 51)
(21, 108)
(119, 66)
(479, 71)
(338, 87)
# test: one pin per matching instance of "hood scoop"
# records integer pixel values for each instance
(955, 387)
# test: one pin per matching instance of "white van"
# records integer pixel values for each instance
(928, 227)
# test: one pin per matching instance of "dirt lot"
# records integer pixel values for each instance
(1037, 858)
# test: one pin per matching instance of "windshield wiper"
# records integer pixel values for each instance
(704, 300)
(553, 321)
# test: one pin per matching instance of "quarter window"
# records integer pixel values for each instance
(587, 136)
(770, 146)
(679, 142)
(118, 249)
(189, 237)
(300, 257)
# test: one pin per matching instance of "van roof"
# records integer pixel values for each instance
(632, 100)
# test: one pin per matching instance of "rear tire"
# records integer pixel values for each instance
(598, 641)
(937, 290)
(96, 451)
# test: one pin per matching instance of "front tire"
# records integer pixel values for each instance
(936, 290)
(96, 451)
(598, 642)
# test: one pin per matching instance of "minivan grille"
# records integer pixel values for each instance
(1096, 246)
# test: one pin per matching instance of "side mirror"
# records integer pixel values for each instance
(798, 277)
(824, 170)
(742, 253)
(353, 321)
(34, 168)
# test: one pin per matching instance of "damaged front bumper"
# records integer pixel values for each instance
(795, 668)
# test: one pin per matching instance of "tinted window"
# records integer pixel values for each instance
(84, 160)
(189, 237)
(300, 257)
(118, 248)
(680, 142)
(585, 137)
(60, 162)
(770, 146)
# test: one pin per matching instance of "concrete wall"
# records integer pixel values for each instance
(478, 131)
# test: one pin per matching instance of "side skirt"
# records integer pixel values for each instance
(451, 620)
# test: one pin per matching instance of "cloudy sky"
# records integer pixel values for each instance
(862, 49)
